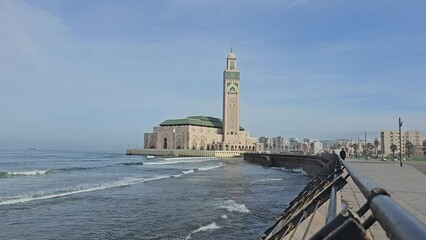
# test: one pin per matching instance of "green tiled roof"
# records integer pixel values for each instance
(203, 121)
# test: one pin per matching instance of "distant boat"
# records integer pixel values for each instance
(149, 156)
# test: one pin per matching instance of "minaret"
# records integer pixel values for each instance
(231, 102)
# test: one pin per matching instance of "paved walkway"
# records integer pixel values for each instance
(406, 185)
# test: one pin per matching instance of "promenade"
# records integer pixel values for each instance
(406, 185)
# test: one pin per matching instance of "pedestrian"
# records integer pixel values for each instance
(343, 154)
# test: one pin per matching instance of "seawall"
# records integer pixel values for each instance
(310, 164)
(183, 152)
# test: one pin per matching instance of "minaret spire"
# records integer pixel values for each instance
(231, 104)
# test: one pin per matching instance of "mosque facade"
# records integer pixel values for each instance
(204, 132)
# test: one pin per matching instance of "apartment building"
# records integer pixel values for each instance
(389, 137)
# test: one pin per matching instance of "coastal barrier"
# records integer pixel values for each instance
(309, 164)
(183, 152)
(312, 214)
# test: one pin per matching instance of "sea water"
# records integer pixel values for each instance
(47, 194)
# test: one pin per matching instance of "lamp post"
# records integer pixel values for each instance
(359, 149)
(365, 145)
(400, 142)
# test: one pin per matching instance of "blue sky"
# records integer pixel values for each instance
(98, 74)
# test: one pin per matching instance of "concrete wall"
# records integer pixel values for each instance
(310, 164)
(183, 152)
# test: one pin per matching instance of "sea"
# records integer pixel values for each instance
(51, 194)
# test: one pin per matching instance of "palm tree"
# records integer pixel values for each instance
(370, 147)
(424, 147)
(376, 144)
(393, 148)
(355, 147)
(409, 146)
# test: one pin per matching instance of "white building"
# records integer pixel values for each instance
(315, 147)
(389, 137)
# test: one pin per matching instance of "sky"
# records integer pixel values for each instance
(98, 74)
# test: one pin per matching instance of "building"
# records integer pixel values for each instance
(266, 143)
(279, 143)
(204, 132)
(389, 137)
(315, 147)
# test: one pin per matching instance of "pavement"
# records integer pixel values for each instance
(406, 185)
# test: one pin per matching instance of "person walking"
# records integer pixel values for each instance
(343, 154)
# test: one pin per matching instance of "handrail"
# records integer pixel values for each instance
(332, 203)
(397, 223)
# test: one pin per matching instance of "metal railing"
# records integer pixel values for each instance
(395, 221)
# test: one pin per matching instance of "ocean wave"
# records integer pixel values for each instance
(71, 169)
(202, 169)
(266, 180)
(82, 189)
(209, 227)
(294, 170)
(177, 162)
(210, 168)
(131, 163)
(188, 158)
(224, 216)
(231, 206)
(188, 171)
(33, 172)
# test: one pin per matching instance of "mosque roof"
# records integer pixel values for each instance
(203, 121)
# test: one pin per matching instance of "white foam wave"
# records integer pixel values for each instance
(28, 173)
(83, 189)
(295, 170)
(177, 162)
(212, 167)
(266, 180)
(186, 158)
(224, 216)
(298, 170)
(188, 171)
(210, 227)
(231, 206)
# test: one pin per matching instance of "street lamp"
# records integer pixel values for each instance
(400, 142)
(365, 146)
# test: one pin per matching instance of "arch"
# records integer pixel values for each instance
(232, 148)
(202, 143)
(226, 147)
(179, 142)
(152, 142)
(194, 143)
(208, 147)
(165, 143)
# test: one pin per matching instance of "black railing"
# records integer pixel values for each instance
(395, 221)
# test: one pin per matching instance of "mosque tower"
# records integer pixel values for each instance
(231, 102)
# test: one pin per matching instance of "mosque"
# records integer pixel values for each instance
(204, 132)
